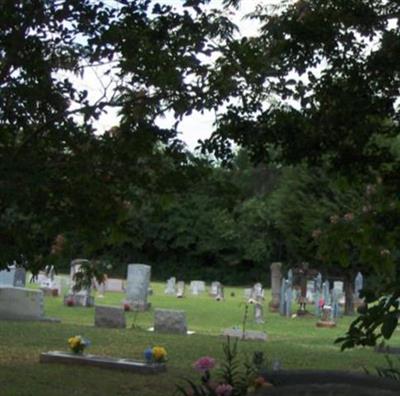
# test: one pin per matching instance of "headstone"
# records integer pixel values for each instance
(214, 288)
(171, 286)
(111, 317)
(197, 287)
(318, 290)
(220, 292)
(282, 300)
(170, 321)
(17, 303)
(20, 277)
(311, 292)
(134, 366)
(115, 285)
(258, 313)
(101, 289)
(335, 304)
(358, 285)
(83, 297)
(7, 276)
(247, 293)
(47, 282)
(180, 289)
(326, 293)
(249, 335)
(138, 285)
(288, 298)
(276, 277)
(338, 286)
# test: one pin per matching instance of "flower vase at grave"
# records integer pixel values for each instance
(326, 319)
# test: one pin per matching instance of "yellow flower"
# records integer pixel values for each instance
(159, 353)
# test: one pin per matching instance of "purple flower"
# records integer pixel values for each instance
(204, 363)
(224, 390)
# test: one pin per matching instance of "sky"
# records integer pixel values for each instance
(191, 128)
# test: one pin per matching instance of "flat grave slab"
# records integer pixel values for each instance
(387, 349)
(248, 334)
(103, 362)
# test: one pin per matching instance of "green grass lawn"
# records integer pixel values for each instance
(297, 343)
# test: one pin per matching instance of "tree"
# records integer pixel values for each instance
(331, 68)
(58, 176)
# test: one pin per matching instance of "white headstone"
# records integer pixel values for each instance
(197, 287)
(7, 276)
(180, 289)
(137, 286)
(171, 286)
(17, 303)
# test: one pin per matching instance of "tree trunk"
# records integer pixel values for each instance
(349, 297)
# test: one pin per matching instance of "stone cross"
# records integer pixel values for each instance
(138, 281)
(256, 294)
(276, 278)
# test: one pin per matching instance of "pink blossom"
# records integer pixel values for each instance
(224, 390)
(204, 363)
(348, 216)
(334, 219)
(316, 233)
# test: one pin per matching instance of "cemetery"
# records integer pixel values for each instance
(261, 320)
(199, 197)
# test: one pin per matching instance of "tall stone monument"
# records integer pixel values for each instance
(137, 286)
(276, 279)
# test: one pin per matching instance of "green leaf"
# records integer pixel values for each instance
(389, 325)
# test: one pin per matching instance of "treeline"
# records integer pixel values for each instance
(196, 219)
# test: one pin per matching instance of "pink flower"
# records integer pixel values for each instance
(348, 216)
(321, 302)
(334, 219)
(204, 363)
(316, 233)
(224, 390)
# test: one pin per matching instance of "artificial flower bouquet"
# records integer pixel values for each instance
(77, 344)
(156, 354)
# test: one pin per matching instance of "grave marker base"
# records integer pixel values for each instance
(322, 323)
(102, 361)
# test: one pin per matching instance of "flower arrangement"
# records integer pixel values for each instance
(78, 344)
(233, 382)
(157, 354)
